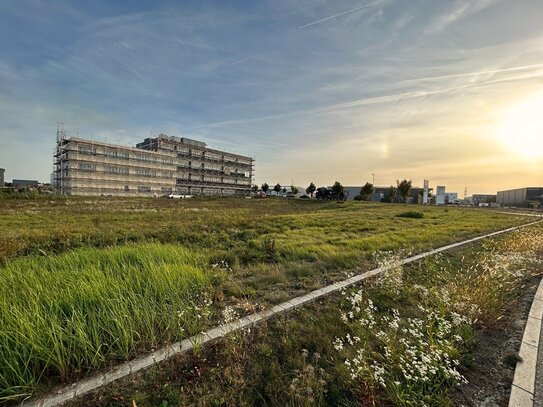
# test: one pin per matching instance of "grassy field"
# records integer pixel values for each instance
(87, 282)
(404, 339)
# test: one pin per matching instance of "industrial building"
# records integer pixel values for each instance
(25, 183)
(2, 172)
(521, 197)
(440, 195)
(476, 199)
(381, 194)
(157, 166)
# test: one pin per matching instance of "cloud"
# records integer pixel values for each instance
(396, 97)
(340, 14)
(490, 72)
(308, 103)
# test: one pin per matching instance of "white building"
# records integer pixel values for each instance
(440, 195)
(451, 197)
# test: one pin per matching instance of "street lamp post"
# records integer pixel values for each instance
(373, 179)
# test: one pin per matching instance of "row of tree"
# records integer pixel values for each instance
(277, 188)
(398, 193)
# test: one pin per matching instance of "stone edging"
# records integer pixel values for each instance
(77, 389)
(522, 389)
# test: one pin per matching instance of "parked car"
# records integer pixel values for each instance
(178, 196)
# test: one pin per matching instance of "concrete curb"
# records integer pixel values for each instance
(85, 386)
(522, 389)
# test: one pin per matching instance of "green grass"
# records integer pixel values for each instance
(292, 361)
(237, 227)
(87, 282)
(64, 315)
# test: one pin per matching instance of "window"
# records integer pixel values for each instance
(110, 169)
(143, 188)
(144, 172)
(87, 167)
(126, 188)
(86, 150)
(166, 190)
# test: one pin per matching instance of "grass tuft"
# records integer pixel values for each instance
(411, 214)
(61, 316)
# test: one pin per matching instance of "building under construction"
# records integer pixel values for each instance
(160, 165)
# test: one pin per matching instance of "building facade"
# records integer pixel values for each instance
(451, 197)
(440, 195)
(161, 165)
(476, 199)
(522, 197)
(381, 194)
(25, 183)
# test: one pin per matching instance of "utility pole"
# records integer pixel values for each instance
(373, 179)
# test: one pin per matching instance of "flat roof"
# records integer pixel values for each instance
(517, 189)
(161, 153)
(116, 146)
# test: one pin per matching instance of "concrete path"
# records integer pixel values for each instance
(538, 394)
(527, 387)
(74, 390)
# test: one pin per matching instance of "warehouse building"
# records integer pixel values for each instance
(521, 197)
(25, 183)
(157, 166)
(381, 194)
(476, 199)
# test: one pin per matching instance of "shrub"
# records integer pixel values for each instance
(411, 214)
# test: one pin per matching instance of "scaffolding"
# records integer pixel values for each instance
(157, 166)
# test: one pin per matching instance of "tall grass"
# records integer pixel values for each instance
(60, 316)
(242, 228)
(408, 331)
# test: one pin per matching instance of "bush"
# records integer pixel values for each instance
(359, 198)
(411, 214)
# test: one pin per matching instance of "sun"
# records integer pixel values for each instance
(521, 129)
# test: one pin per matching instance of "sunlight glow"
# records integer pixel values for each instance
(522, 127)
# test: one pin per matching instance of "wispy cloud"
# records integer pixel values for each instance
(249, 79)
(340, 14)
(390, 98)
(489, 72)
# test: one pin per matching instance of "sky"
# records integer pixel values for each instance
(313, 90)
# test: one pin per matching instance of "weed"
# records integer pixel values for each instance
(511, 359)
(411, 214)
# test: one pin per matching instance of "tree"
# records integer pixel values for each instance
(255, 188)
(293, 189)
(322, 193)
(366, 191)
(311, 189)
(277, 188)
(403, 189)
(392, 194)
(265, 187)
(338, 191)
